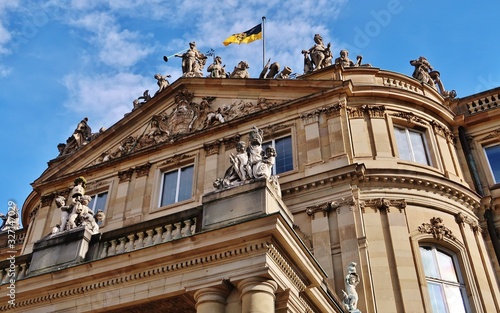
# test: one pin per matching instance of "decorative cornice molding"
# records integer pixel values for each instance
(94, 285)
(437, 229)
(284, 265)
(492, 135)
(177, 159)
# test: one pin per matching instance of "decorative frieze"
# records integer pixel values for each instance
(177, 159)
(492, 135)
(437, 229)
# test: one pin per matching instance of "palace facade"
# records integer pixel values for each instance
(382, 198)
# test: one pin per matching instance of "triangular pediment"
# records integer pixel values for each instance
(188, 107)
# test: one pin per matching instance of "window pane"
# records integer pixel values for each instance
(493, 154)
(100, 202)
(284, 158)
(418, 146)
(429, 263)
(454, 299)
(437, 299)
(169, 188)
(403, 144)
(446, 267)
(186, 183)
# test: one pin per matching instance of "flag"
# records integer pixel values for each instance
(248, 36)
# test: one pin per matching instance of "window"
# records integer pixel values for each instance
(177, 185)
(444, 281)
(98, 202)
(284, 158)
(493, 156)
(411, 145)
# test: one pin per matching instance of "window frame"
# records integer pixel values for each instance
(178, 169)
(491, 171)
(425, 141)
(457, 266)
(272, 142)
(106, 202)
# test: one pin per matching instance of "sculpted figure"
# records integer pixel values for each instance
(192, 61)
(250, 163)
(11, 220)
(80, 211)
(81, 136)
(240, 71)
(351, 295)
(65, 211)
(162, 82)
(273, 70)
(422, 71)
(215, 116)
(321, 55)
(216, 69)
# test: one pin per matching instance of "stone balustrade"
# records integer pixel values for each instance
(13, 272)
(483, 104)
(148, 237)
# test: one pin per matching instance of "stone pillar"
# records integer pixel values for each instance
(312, 133)
(257, 295)
(211, 299)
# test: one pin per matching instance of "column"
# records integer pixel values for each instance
(211, 299)
(257, 295)
(312, 133)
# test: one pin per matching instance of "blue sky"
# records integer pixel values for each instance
(61, 60)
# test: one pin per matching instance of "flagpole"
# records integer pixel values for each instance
(263, 43)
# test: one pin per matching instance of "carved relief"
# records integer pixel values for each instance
(410, 117)
(493, 135)
(310, 117)
(437, 229)
(177, 159)
(375, 111)
(230, 142)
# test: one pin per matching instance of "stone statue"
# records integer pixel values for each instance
(81, 136)
(344, 60)
(250, 163)
(193, 61)
(11, 220)
(426, 74)
(162, 82)
(216, 69)
(271, 71)
(76, 213)
(350, 299)
(319, 54)
(422, 71)
(240, 71)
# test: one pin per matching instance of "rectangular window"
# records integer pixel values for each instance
(98, 202)
(284, 157)
(177, 185)
(411, 145)
(493, 156)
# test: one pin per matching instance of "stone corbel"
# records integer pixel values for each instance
(385, 204)
(142, 170)
(212, 147)
(334, 110)
(462, 219)
(310, 117)
(125, 175)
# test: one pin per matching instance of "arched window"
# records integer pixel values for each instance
(444, 280)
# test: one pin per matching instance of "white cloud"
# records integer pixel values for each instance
(105, 99)
(4, 71)
(5, 33)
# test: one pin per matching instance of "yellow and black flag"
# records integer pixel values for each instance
(248, 36)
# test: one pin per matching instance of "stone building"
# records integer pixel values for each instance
(385, 178)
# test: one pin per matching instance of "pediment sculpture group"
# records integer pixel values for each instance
(74, 210)
(251, 162)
